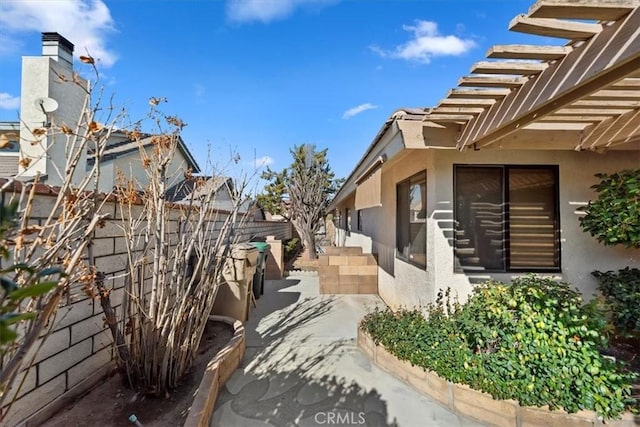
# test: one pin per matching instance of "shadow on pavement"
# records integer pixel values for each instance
(287, 378)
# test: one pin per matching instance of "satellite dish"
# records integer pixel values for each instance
(47, 105)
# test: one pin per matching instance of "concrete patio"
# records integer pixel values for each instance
(302, 367)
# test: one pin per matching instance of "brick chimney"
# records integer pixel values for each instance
(57, 47)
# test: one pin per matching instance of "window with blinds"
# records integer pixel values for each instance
(506, 218)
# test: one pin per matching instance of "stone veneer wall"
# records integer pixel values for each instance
(78, 352)
(346, 270)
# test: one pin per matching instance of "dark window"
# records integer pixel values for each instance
(12, 146)
(359, 219)
(347, 220)
(411, 224)
(506, 218)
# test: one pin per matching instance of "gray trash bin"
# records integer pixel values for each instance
(258, 277)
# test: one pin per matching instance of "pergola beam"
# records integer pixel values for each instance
(439, 117)
(520, 51)
(614, 131)
(608, 57)
(597, 10)
(458, 110)
(478, 93)
(462, 102)
(492, 81)
(554, 28)
(508, 67)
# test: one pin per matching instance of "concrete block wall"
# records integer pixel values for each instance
(80, 344)
(275, 261)
(346, 270)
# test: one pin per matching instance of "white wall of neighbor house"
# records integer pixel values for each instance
(403, 284)
(40, 79)
(78, 351)
(131, 167)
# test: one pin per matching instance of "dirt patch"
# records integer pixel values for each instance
(110, 403)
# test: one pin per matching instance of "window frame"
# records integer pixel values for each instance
(554, 168)
(417, 178)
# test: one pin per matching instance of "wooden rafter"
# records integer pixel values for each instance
(630, 83)
(478, 93)
(519, 51)
(600, 63)
(546, 126)
(614, 130)
(587, 112)
(554, 28)
(437, 117)
(508, 67)
(597, 10)
(462, 102)
(615, 94)
(458, 110)
(607, 104)
(492, 81)
(563, 119)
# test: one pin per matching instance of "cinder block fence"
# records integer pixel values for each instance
(78, 352)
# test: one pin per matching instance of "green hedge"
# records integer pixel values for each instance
(614, 217)
(621, 292)
(534, 341)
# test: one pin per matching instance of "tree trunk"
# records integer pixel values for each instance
(308, 239)
(311, 246)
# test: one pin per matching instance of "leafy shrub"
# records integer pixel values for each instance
(290, 248)
(18, 283)
(533, 341)
(614, 218)
(621, 291)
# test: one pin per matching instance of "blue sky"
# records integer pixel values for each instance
(259, 76)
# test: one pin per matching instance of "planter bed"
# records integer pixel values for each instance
(463, 400)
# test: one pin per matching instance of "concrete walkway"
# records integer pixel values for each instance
(302, 368)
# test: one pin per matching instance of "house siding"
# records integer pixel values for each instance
(8, 165)
(402, 284)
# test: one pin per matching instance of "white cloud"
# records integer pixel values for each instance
(357, 110)
(9, 102)
(85, 23)
(267, 10)
(426, 43)
(261, 162)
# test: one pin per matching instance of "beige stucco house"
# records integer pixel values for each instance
(487, 184)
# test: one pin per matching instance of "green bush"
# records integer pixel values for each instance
(290, 248)
(614, 218)
(533, 340)
(621, 291)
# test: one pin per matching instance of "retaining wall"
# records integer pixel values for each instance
(477, 405)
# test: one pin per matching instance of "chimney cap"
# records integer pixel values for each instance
(55, 37)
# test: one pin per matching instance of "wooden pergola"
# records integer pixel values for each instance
(584, 95)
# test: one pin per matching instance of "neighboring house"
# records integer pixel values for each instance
(9, 148)
(487, 184)
(52, 93)
(225, 195)
(124, 155)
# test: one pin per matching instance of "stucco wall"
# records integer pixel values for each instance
(402, 284)
(40, 80)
